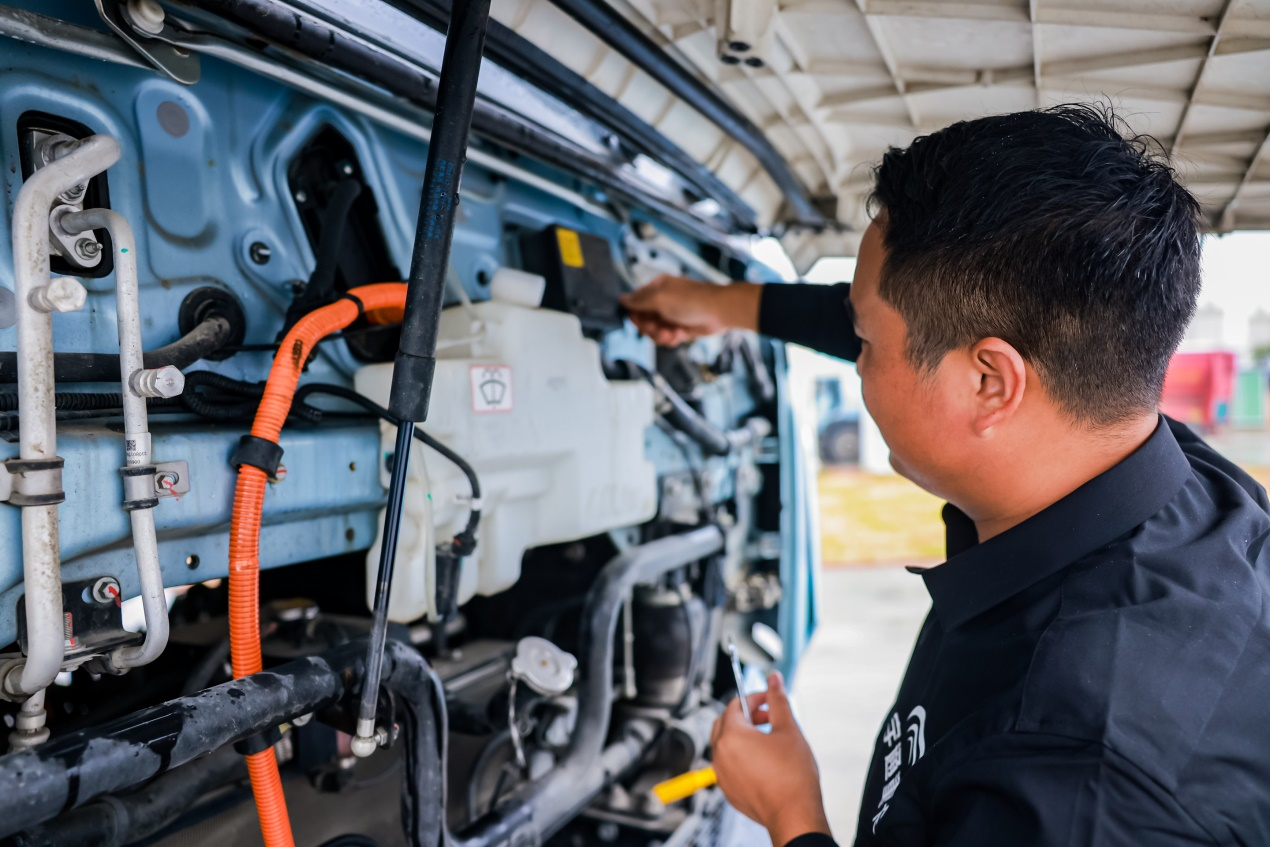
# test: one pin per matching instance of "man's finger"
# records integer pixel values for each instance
(781, 714)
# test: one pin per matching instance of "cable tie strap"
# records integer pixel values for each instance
(259, 453)
(356, 301)
(259, 742)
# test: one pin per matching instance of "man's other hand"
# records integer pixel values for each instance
(771, 778)
(673, 310)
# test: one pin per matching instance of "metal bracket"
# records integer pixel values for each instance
(171, 479)
(32, 482)
(181, 65)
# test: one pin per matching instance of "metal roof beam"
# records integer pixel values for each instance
(1226, 220)
(1180, 135)
(1016, 12)
(888, 58)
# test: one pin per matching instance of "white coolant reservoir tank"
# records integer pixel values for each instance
(558, 448)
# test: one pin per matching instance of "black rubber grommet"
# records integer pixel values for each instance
(259, 453)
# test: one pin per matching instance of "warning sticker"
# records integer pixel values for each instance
(491, 388)
(570, 247)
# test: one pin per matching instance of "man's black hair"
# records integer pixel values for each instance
(1054, 232)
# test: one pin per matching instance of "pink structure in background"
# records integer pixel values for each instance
(1199, 388)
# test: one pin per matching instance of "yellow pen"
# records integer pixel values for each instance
(685, 785)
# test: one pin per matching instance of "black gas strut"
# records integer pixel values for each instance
(416, 357)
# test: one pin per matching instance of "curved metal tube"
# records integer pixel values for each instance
(136, 429)
(38, 438)
(587, 765)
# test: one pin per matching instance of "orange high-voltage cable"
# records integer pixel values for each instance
(244, 533)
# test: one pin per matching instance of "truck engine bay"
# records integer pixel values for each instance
(199, 215)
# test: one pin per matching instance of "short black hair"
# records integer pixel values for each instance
(1055, 231)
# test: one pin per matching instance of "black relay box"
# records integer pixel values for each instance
(581, 277)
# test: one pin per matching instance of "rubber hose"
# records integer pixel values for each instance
(244, 533)
(206, 338)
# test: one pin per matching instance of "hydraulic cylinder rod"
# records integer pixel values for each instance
(416, 357)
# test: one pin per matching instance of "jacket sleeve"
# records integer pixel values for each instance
(813, 839)
(815, 316)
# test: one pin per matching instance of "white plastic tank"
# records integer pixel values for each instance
(559, 449)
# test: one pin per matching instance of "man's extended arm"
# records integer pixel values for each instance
(672, 310)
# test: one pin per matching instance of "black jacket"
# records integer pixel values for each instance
(1097, 675)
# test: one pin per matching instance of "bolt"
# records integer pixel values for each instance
(301, 197)
(106, 590)
(74, 195)
(346, 169)
(62, 294)
(88, 249)
(260, 253)
(167, 381)
(165, 483)
(146, 15)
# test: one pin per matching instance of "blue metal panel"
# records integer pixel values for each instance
(202, 178)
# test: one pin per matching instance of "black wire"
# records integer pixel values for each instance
(465, 542)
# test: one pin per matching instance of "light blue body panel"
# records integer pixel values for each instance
(197, 201)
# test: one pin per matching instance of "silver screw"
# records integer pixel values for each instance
(346, 169)
(87, 249)
(301, 197)
(74, 194)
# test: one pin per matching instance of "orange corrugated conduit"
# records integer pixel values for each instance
(244, 534)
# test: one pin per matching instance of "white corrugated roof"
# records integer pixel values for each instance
(841, 80)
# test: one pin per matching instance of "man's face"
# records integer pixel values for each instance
(917, 413)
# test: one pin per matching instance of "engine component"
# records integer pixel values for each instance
(70, 772)
(543, 807)
(669, 625)
(138, 472)
(260, 461)
(543, 666)
(210, 321)
(39, 464)
(559, 449)
(581, 276)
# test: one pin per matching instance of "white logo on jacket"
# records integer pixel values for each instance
(892, 760)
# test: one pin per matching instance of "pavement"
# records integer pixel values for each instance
(869, 618)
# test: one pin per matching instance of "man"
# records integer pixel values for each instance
(1095, 668)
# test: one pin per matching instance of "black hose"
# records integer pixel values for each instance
(209, 336)
(71, 771)
(126, 818)
(478, 771)
(73, 401)
(220, 398)
(465, 541)
(588, 765)
(675, 409)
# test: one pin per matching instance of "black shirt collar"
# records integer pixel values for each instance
(977, 577)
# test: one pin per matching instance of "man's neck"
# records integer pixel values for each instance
(1051, 469)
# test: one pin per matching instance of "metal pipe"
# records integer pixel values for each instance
(415, 362)
(588, 765)
(68, 772)
(133, 377)
(38, 439)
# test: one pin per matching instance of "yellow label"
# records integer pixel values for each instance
(570, 247)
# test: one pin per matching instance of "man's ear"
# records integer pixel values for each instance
(1002, 380)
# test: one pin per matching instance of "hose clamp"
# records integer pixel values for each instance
(32, 482)
(138, 487)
